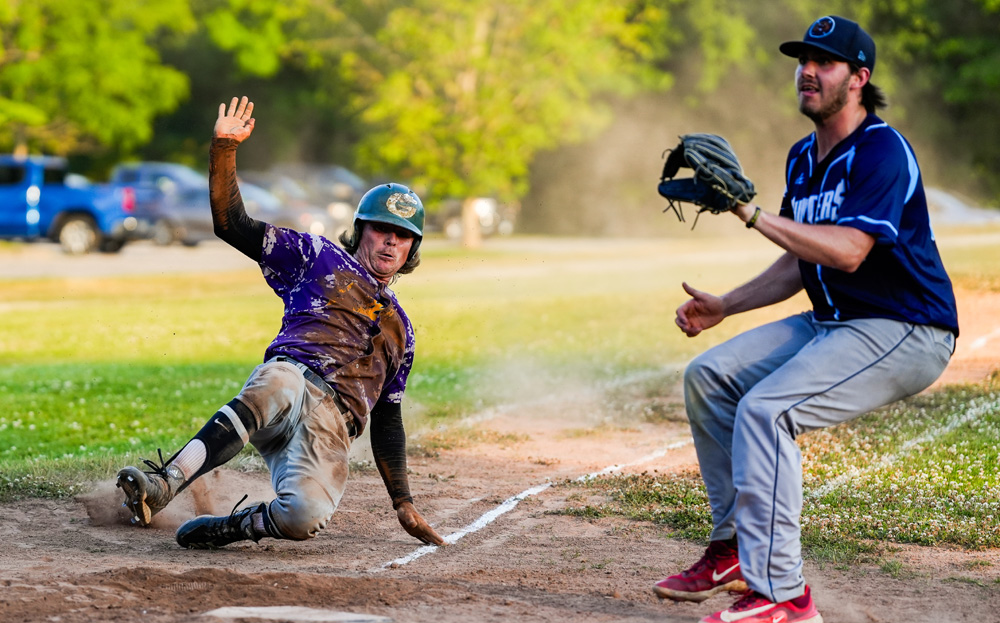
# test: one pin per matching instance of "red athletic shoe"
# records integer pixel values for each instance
(755, 608)
(717, 571)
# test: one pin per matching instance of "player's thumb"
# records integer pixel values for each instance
(691, 291)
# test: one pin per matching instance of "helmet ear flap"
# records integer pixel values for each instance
(415, 248)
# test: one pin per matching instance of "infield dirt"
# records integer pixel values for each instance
(77, 560)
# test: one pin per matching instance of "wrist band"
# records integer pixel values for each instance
(753, 219)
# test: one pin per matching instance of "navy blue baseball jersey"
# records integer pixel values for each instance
(871, 181)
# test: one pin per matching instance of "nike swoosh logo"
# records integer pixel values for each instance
(718, 576)
(739, 616)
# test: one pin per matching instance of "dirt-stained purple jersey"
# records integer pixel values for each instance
(871, 181)
(338, 320)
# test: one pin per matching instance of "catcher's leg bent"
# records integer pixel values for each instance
(305, 444)
(714, 383)
(850, 368)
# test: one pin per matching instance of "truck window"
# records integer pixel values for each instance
(11, 175)
(128, 176)
(54, 176)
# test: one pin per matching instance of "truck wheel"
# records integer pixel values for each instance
(163, 233)
(79, 235)
(112, 245)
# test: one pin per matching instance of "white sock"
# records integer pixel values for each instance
(191, 458)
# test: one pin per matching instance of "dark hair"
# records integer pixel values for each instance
(351, 239)
(872, 97)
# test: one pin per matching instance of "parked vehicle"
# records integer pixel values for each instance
(297, 202)
(330, 187)
(266, 206)
(492, 217)
(40, 199)
(175, 199)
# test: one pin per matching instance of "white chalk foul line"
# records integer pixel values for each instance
(509, 504)
(984, 340)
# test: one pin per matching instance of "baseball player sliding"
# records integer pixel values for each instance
(855, 230)
(340, 361)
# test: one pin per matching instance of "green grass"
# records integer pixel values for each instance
(922, 471)
(116, 367)
(95, 373)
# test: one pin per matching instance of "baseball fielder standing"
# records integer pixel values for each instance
(341, 358)
(856, 234)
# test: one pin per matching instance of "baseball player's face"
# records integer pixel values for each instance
(383, 249)
(823, 84)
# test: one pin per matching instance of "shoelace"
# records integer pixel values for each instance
(233, 521)
(159, 470)
(233, 512)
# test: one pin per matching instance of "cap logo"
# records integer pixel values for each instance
(822, 27)
(401, 205)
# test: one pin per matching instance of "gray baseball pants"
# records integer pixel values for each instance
(748, 398)
(304, 440)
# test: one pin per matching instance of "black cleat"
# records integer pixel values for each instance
(211, 532)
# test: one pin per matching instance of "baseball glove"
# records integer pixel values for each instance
(718, 185)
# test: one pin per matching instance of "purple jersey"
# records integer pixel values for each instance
(338, 320)
(871, 181)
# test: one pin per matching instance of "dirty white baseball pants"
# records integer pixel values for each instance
(748, 398)
(303, 439)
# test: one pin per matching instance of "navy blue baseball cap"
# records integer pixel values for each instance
(838, 36)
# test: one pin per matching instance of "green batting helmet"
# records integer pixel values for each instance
(394, 204)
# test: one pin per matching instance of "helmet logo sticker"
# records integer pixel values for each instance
(400, 205)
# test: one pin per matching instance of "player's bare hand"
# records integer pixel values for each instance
(702, 311)
(237, 122)
(416, 525)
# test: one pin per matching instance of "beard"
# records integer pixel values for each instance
(828, 108)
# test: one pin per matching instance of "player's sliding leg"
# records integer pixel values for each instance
(306, 445)
(220, 439)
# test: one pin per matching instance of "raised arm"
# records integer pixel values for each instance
(232, 224)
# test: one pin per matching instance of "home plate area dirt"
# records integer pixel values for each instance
(79, 560)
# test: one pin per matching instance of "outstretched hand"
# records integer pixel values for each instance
(416, 525)
(236, 123)
(702, 311)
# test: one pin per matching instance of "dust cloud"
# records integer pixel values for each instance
(607, 186)
(213, 494)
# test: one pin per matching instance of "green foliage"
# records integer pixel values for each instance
(255, 31)
(82, 75)
(472, 89)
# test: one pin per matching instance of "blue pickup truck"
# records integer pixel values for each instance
(41, 200)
